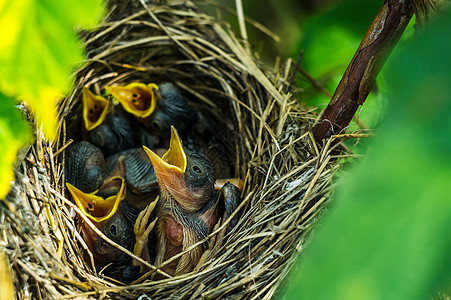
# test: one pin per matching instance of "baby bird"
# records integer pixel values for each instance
(116, 219)
(85, 166)
(99, 190)
(112, 222)
(189, 205)
(109, 127)
(164, 106)
(157, 108)
(137, 98)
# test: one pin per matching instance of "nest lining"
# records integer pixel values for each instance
(286, 176)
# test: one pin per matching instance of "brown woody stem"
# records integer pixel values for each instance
(360, 76)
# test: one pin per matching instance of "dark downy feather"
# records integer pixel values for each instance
(85, 166)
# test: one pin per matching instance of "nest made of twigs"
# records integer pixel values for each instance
(286, 177)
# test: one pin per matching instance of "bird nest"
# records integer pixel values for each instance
(265, 130)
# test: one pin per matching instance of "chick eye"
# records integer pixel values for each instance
(113, 230)
(155, 124)
(196, 169)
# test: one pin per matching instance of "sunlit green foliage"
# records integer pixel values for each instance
(38, 51)
(388, 233)
(13, 134)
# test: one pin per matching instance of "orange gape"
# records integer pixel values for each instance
(138, 99)
(94, 207)
(95, 109)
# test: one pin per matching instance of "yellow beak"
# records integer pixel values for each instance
(95, 109)
(95, 207)
(173, 160)
(136, 98)
(170, 166)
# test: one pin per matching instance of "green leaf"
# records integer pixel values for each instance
(39, 49)
(14, 133)
(388, 233)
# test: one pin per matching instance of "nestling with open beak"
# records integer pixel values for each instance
(99, 190)
(157, 108)
(87, 170)
(94, 184)
(109, 127)
(189, 207)
(106, 216)
(116, 219)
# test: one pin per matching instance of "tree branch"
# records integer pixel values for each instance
(360, 76)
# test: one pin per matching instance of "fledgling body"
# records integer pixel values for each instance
(119, 228)
(116, 218)
(109, 209)
(189, 205)
(136, 168)
(85, 166)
